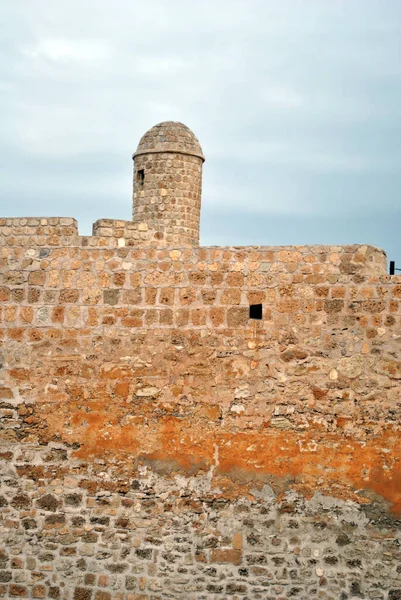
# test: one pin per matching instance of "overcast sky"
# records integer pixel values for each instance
(297, 104)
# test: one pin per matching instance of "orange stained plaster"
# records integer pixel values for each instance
(308, 460)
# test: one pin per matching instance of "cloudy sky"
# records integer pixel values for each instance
(297, 104)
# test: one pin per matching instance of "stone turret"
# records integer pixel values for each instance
(168, 182)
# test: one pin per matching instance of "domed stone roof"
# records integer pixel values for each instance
(169, 136)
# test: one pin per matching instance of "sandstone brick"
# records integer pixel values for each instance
(209, 296)
(39, 591)
(222, 555)
(130, 582)
(290, 256)
(20, 374)
(338, 292)
(256, 297)
(14, 278)
(289, 305)
(150, 295)
(216, 279)
(103, 280)
(235, 279)
(197, 278)
(26, 313)
(93, 318)
(166, 317)
(16, 333)
(111, 297)
(374, 306)
(100, 595)
(91, 295)
(37, 278)
(69, 296)
(135, 319)
(334, 306)
(119, 279)
(90, 579)
(315, 279)
(212, 412)
(47, 502)
(151, 317)
(21, 501)
(81, 593)
(34, 295)
(4, 294)
(17, 295)
(132, 296)
(18, 591)
(10, 314)
(389, 367)
(109, 320)
(187, 296)
(217, 316)
(68, 278)
(104, 580)
(122, 389)
(155, 278)
(230, 296)
(58, 314)
(166, 296)
(198, 316)
(73, 499)
(255, 280)
(322, 291)
(237, 316)
(182, 317)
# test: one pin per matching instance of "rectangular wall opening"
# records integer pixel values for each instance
(140, 176)
(255, 311)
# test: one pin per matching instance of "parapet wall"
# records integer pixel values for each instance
(38, 231)
(158, 443)
(128, 233)
(63, 231)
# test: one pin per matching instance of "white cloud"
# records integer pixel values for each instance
(63, 50)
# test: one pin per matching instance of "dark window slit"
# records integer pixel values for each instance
(140, 177)
(255, 311)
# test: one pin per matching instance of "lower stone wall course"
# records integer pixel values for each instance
(170, 538)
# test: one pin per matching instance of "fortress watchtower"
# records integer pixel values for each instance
(168, 182)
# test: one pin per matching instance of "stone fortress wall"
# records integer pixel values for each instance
(156, 442)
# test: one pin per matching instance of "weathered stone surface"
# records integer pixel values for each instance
(48, 502)
(158, 443)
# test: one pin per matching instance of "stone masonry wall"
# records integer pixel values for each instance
(37, 232)
(157, 443)
(127, 233)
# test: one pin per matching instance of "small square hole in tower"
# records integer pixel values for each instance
(140, 176)
(255, 311)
